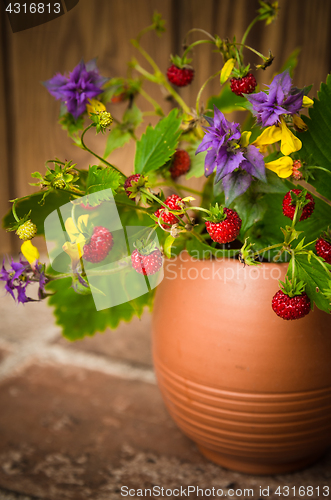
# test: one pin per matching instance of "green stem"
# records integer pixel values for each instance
(252, 50)
(250, 26)
(176, 96)
(294, 221)
(197, 106)
(94, 154)
(194, 44)
(268, 248)
(14, 211)
(133, 207)
(194, 30)
(148, 58)
(157, 107)
(179, 186)
(144, 31)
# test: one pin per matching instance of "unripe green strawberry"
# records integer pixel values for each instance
(27, 230)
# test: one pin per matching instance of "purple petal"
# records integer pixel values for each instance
(55, 85)
(255, 163)
(210, 162)
(293, 103)
(227, 163)
(235, 184)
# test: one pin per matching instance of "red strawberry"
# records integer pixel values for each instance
(146, 264)
(323, 249)
(244, 85)
(289, 206)
(128, 182)
(180, 76)
(100, 244)
(287, 307)
(180, 164)
(170, 219)
(226, 230)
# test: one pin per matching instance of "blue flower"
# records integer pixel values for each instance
(236, 162)
(82, 84)
(281, 99)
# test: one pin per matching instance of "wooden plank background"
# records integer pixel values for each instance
(29, 133)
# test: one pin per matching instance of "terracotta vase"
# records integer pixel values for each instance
(251, 389)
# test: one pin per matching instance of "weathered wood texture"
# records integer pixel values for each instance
(29, 131)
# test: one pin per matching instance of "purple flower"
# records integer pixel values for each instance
(19, 276)
(82, 84)
(235, 164)
(281, 99)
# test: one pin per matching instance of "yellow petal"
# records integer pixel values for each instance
(30, 252)
(282, 166)
(289, 142)
(244, 140)
(75, 251)
(226, 70)
(269, 136)
(299, 124)
(82, 221)
(307, 102)
(71, 229)
(95, 106)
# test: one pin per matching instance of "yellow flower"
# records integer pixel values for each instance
(270, 135)
(244, 139)
(307, 102)
(95, 107)
(289, 143)
(30, 252)
(74, 231)
(282, 166)
(74, 250)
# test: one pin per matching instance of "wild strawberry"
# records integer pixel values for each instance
(180, 76)
(27, 230)
(169, 218)
(147, 264)
(128, 182)
(323, 249)
(100, 244)
(296, 174)
(289, 205)
(287, 307)
(244, 85)
(181, 163)
(225, 230)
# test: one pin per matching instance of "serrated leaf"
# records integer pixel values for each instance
(116, 139)
(77, 316)
(315, 277)
(316, 145)
(158, 144)
(102, 178)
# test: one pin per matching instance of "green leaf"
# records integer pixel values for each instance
(250, 210)
(78, 317)
(316, 278)
(316, 144)
(39, 211)
(203, 251)
(116, 139)
(167, 245)
(99, 179)
(197, 168)
(158, 144)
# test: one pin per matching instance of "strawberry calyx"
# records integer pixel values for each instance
(181, 62)
(292, 287)
(217, 214)
(145, 247)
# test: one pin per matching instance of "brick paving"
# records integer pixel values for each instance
(80, 420)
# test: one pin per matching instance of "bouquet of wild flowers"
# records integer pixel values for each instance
(266, 197)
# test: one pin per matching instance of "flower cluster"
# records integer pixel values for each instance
(19, 276)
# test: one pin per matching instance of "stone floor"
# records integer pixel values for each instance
(79, 421)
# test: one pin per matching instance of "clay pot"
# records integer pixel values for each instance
(251, 389)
